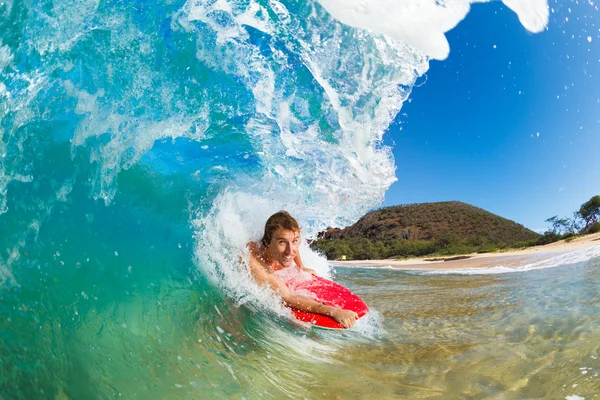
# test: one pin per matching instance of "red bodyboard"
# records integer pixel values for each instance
(332, 294)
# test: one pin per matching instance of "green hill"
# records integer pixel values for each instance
(421, 229)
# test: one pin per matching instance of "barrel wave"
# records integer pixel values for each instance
(143, 144)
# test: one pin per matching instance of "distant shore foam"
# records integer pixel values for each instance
(524, 265)
(489, 265)
(423, 23)
(552, 255)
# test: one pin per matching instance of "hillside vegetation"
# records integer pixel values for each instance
(422, 229)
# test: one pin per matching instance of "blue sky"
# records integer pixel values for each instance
(510, 121)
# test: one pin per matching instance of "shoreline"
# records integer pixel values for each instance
(477, 260)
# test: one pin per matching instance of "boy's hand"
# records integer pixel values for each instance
(345, 317)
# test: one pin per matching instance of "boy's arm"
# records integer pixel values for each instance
(345, 317)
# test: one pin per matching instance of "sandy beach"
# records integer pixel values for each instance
(486, 260)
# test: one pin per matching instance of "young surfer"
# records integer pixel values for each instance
(277, 251)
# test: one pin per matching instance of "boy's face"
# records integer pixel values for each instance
(284, 246)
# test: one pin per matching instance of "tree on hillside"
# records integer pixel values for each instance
(590, 211)
(576, 223)
(559, 225)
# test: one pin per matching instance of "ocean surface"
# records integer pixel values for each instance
(142, 144)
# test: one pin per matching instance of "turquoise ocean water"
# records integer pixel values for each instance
(144, 143)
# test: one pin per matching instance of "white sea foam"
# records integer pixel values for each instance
(6, 56)
(130, 138)
(358, 89)
(5, 274)
(569, 258)
(364, 266)
(62, 27)
(533, 14)
(6, 6)
(423, 23)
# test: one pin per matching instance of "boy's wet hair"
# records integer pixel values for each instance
(279, 220)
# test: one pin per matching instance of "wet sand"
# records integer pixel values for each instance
(486, 260)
